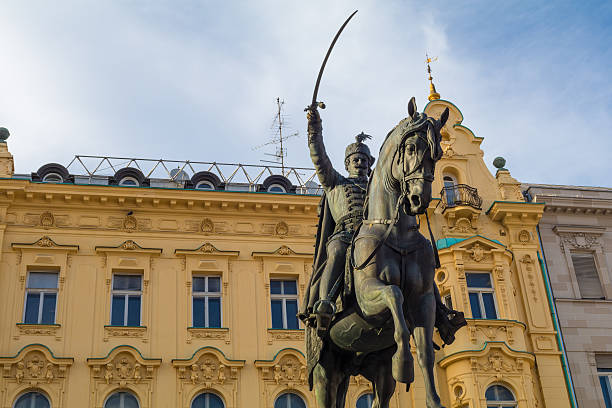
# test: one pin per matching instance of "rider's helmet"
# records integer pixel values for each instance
(359, 147)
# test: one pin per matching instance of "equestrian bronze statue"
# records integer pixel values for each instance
(369, 293)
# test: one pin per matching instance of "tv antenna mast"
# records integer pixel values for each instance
(279, 125)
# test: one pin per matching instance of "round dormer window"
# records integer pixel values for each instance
(53, 178)
(276, 188)
(205, 185)
(129, 181)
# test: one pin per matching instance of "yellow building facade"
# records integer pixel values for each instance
(103, 287)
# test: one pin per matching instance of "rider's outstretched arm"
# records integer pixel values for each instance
(328, 176)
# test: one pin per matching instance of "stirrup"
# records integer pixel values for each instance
(324, 311)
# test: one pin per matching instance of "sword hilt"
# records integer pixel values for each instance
(315, 105)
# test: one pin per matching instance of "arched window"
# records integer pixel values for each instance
(129, 181)
(204, 185)
(53, 178)
(289, 400)
(32, 400)
(450, 190)
(207, 400)
(276, 188)
(121, 400)
(365, 401)
(499, 396)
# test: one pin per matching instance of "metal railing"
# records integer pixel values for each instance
(179, 170)
(460, 194)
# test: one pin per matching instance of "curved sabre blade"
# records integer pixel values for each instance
(316, 89)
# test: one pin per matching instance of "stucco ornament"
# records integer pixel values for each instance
(477, 252)
(130, 223)
(207, 226)
(281, 228)
(47, 220)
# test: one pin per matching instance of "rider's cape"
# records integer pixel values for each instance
(325, 229)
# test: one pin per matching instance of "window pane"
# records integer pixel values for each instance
(126, 282)
(214, 312)
(605, 388)
(133, 311)
(31, 312)
(290, 287)
(292, 309)
(498, 393)
(42, 280)
(129, 401)
(32, 400)
(207, 400)
(365, 401)
(587, 277)
(198, 312)
(478, 280)
(118, 310)
(275, 287)
(489, 305)
(198, 284)
(214, 284)
(48, 311)
(277, 314)
(475, 305)
(282, 401)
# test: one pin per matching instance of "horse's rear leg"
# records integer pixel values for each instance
(423, 339)
(384, 386)
(375, 298)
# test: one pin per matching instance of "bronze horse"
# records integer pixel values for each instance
(393, 288)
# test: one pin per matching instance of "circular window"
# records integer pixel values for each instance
(276, 188)
(289, 400)
(365, 401)
(499, 397)
(129, 181)
(53, 178)
(121, 400)
(204, 185)
(32, 400)
(207, 400)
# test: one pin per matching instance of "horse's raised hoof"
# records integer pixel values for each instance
(402, 367)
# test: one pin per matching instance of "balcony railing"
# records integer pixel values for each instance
(460, 194)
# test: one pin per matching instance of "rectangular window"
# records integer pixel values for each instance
(284, 304)
(482, 295)
(448, 302)
(125, 300)
(206, 301)
(587, 277)
(41, 298)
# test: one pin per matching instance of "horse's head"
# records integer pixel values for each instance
(417, 140)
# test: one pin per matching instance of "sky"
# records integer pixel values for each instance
(198, 80)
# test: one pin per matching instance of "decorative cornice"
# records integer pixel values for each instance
(47, 243)
(283, 251)
(206, 248)
(130, 246)
(486, 348)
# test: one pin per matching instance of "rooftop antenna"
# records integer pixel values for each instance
(279, 125)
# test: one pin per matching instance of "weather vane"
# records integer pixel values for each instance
(432, 88)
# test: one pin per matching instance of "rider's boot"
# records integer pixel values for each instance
(324, 310)
(402, 362)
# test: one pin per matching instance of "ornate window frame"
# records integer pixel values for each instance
(35, 368)
(129, 258)
(125, 368)
(207, 370)
(207, 260)
(283, 263)
(584, 239)
(286, 372)
(42, 255)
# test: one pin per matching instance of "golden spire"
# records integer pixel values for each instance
(433, 95)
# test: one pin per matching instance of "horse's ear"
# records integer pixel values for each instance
(443, 118)
(412, 108)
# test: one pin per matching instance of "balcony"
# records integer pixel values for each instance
(460, 195)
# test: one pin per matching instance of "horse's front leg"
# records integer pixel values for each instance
(376, 299)
(423, 339)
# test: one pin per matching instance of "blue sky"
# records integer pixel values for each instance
(198, 80)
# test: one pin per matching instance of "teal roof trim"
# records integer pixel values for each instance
(42, 345)
(207, 347)
(486, 344)
(280, 351)
(448, 242)
(444, 100)
(123, 345)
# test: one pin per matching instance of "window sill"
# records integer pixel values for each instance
(30, 329)
(285, 335)
(125, 331)
(208, 333)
